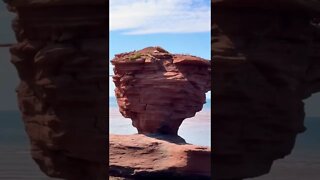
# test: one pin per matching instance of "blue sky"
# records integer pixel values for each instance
(179, 26)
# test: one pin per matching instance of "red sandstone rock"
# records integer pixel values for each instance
(61, 59)
(158, 90)
(140, 156)
(264, 66)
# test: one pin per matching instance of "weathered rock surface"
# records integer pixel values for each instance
(142, 157)
(266, 61)
(158, 90)
(61, 58)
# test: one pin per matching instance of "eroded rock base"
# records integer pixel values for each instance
(144, 157)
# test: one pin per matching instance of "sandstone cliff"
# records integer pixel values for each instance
(265, 63)
(158, 90)
(61, 58)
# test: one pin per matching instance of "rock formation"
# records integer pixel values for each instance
(62, 58)
(266, 61)
(158, 90)
(142, 157)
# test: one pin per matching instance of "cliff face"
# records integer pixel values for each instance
(158, 90)
(61, 58)
(265, 63)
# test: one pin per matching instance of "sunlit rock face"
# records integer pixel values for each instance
(266, 62)
(61, 57)
(158, 90)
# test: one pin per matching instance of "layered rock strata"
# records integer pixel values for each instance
(158, 90)
(142, 157)
(266, 62)
(61, 58)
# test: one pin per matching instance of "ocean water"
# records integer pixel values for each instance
(304, 161)
(15, 159)
(113, 103)
(195, 130)
(12, 130)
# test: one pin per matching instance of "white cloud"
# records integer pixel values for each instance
(159, 16)
(112, 87)
(208, 95)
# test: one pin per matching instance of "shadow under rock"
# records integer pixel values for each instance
(169, 138)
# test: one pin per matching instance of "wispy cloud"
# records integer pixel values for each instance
(159, 16)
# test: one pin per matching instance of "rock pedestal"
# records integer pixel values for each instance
(158, 90)
(266, 62)
(62, 58)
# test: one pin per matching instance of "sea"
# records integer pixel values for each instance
(16, 162)
(304, 161)
(15, 159)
